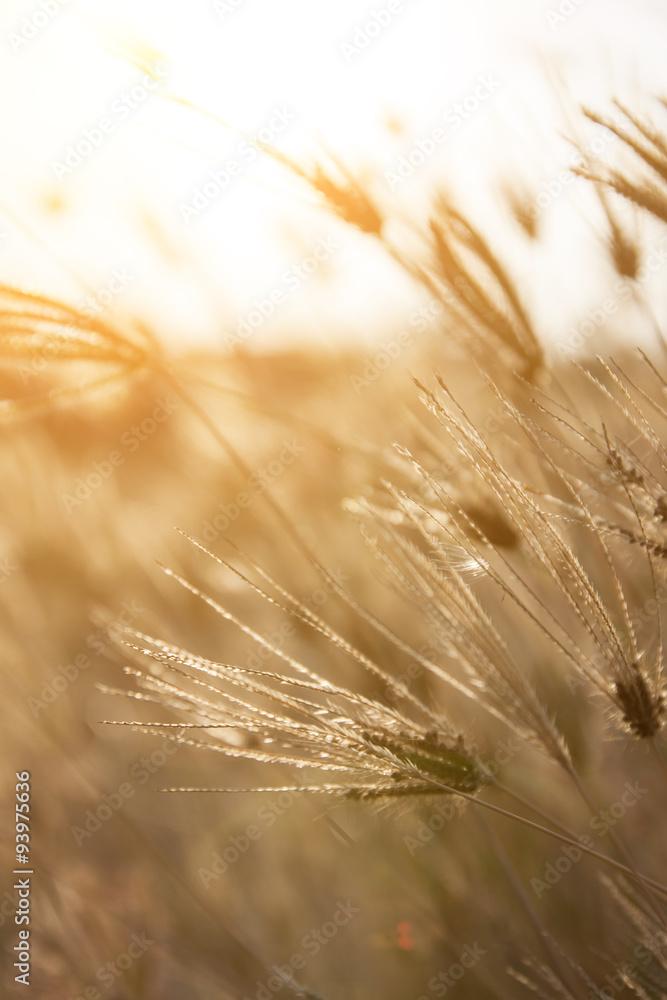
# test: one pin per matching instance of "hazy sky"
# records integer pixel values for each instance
(370, 80)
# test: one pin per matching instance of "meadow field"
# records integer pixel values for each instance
(334, 667)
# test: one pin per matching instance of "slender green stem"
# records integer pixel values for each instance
(549, 833)
(657, 753)
(568, 833)
(620, 847)
(558, 965)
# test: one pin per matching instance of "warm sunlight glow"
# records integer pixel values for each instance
(192, 225)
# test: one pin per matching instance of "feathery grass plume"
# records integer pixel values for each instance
(36, 331)
(349, 200)
(584, 485)
(648, 189)
(442, 594)
(473, 274)
(464, 274)
(519, 203)
(637, 491)
(345, 195)
(378, 753)
(624, 251)
(304, 720)
(637, 961)
(646, 973)
(544, 981)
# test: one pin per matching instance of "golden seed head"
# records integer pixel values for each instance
(642, 709)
